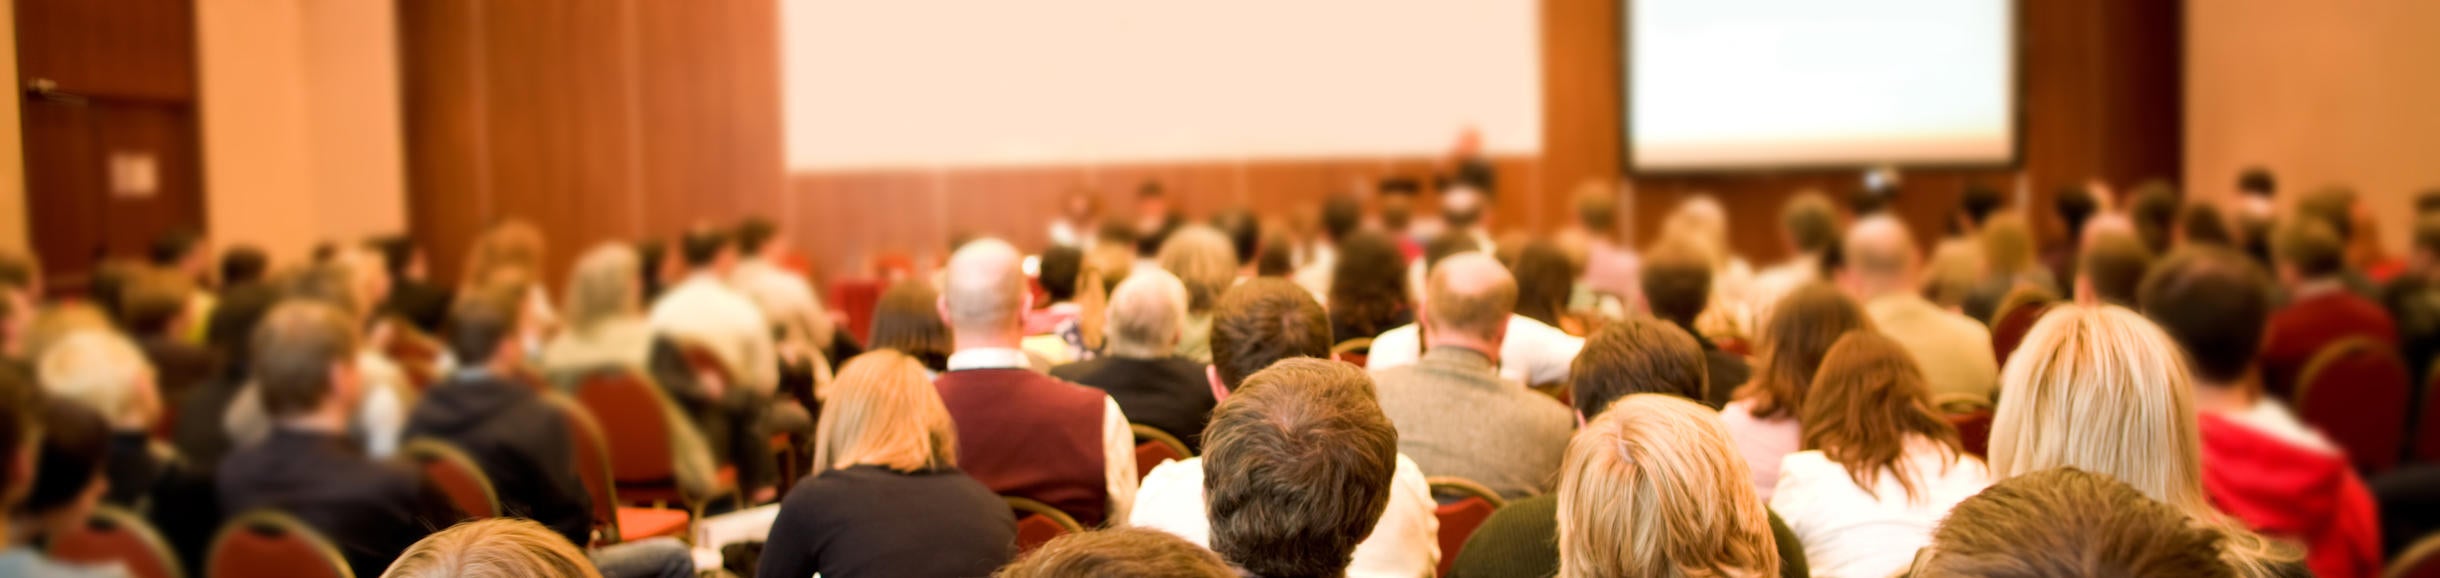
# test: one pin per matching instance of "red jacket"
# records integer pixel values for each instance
(2311, 323)
(2306, 495)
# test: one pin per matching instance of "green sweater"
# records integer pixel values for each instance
(1522, 541)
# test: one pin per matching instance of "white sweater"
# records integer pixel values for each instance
(1848, 531)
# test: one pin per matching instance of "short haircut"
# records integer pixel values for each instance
(493, 548)
(153, 300)
(1638, 355)
(883, 411)
(103, 371)
(1677, 282)
(701, 246)
(243, 264)
(174, 246)
(2333, 205)
(1131, 552)
(755, 232)
(1147, 312)
(1979, 201)
(2154, 211)
(2115, 264)
(2311, 246)
(1244, 233)
(2074, 205)
(1810, 221)
(2068, 522)
(1262, 322)
(1060, 266)
(1597, 206)
(1447, 244)
(1296, 469)
(2257, 181)
(1869, 405)
(2215, 304)
(75, 446)
(1655, 487)
(397, 252)
(1477, 306)
(1342, 215)
(483, 319)
(294, 349)
(2203, 224)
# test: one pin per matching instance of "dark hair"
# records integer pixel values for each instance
(243, 264)
(2203, 225)
(2114, 264)
(174, 246)
(1368, 285)
(483, 319)
(2075, 206)
(1341, 216)
(1262, 322)
(1800, 331)
(907, 319)
(20, 402)
(1244, 233)
(1810, 223)
(701, 246)
(2427, 202)
(1274, 258)
(1115, 552)
(2215, 303)
(397, 253)
(2154, 211)
(1979, 201)
(2066, 522)
(753, 233)
(153, 300)
(2311, 247)
(75, 446)
(294, 349)
(1473, 173)
(2427, 233)
(1297, 468)
(1638, 355)
(1545, 281)
(1677, 283)
(1060, 266)
(2257, 181)
(649, 255)
(2334, 205)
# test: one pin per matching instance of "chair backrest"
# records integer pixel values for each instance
(1039, 523)
(2008, 327)
(702, 359)
(269, 543)
(1458, 519)
(592, 466)
(639, 447)
(457, 475)
(115, 535)
(2420, 560)
(2355, 391)
(1973, 430)
(2427, 420)
(1153, 446)
(417, 354)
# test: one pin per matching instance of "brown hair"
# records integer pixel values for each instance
(1809, 221)
(2068, 522)
(294, 349)
(154, 299)
(1677, 281)
(1131, 552)
(1545, 281)
(907, 318)
(2311, 247)
(1262, 322)
(2114, 263)
(493, 548)
(1802, 328)
(1297, 468)
(1368, 285)
(482, 319)
(1637, 355)
(1868, 402)
(509, 243)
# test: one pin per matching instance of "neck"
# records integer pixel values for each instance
(994, 339)
(1445, 338)
(2227, 397)
(331, 418)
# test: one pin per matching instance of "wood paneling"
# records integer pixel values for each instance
(121, 76)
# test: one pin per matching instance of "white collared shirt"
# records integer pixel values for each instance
(707, 311)
(1117, 440)
(1405, 544)
(1534, 353)
(783, 296)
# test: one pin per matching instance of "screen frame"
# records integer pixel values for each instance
(1626, 117)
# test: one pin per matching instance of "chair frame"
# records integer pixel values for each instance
(2332, 353)
(1944, 401)
(127, 521)
(694, 504)
(429, 448)
(1350, 345)
(610, 532)
(2426, 547)
(1032, 507)
(1468, 488)
(1144, 433)
(285, 523)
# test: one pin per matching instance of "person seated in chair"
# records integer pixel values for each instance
(67, 485)
(1456, 415)
(2321, 311)
(1142, 372)
(1301, 467)
(106, 373)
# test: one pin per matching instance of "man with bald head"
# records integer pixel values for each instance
(1456, 415)
(1022, 433)
(1882, 272)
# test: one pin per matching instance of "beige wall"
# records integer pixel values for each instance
(2319, 93)
(300, 119)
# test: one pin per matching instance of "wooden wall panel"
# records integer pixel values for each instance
(125, 49)
(440, 66)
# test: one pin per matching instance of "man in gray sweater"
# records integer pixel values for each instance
(1455, 415)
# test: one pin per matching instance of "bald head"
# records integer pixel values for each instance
(1881, 256)
(984, 290)
(1470, 295)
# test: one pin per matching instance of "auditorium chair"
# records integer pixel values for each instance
(1153, 446)
(456, 474)
(1971, 415)
(642, 464)
(612, 522)
(856, 297)
(2010, 324)
(2355, 392)
(1352, 351)
(1039, 523)
(114, 535)
(270, 543)
(2421, 560)
(1464, 506)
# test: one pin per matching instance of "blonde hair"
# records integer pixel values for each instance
(1653, 487)
(883, 411)
(603, 287)
(2101, 389)
(493, 548)
(1203, 259)
(103, 371)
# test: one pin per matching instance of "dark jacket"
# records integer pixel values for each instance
(423, 305)
(871, 521)
(200, 437)
(177, 498)
(519, 440)
(1726, 371)
(178, 366)
(370, 510)
(1522, 541)
(1170, 393)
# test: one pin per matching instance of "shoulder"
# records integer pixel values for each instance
(1080, 370)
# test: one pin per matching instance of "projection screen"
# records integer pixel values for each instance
(1761, 84)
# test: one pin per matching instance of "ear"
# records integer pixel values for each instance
(940, 305)
(1211, 373)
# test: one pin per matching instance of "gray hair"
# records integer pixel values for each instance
(1146, 313)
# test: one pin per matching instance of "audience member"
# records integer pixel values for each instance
(1254, 327)
(2260, 463)
(1701, 220)
(2099, 388)
(2113, 265)
(2010, 260)
(2320, 311)
(1396, 212)
(1545, 280)
(2339, 208)
(1155, 219)
(1342, 219)
(1131, 552)
(493, 548)
(1808, 228)
(787, 300)
(67, 483)
(888, 498)
(1963, 254)
(1299, 470)
(244, 294)
(1761, 416)
(1676, 282)
(305, 363)
(1367, 291)
(1652, 487)
(1201, 258)
(2413, 298)
(1954, 351)
(1530, 352)
(518, 440)
(2073, 206)
(1079, 213)
(159, 319)
(2067, 522)
(907, 318)
(1060, 269)
(108, 374)
(1606, 284)
(606, 332)
(1026, 434)
(346, 282)
(2201, 223)
(203, 438)
(1456, 415)
(709, 312)
(508, 244)
(1152, 384)
(412, 295)
(184, 252)
(1880, 466)
(2153, 207)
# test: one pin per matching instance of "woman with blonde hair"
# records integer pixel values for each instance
(493, 548)
(1203, 258)
(2099, 388)
(1880, 466)
(1762, 415)
(1652, 488)
(887, 498)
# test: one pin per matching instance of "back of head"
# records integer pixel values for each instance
(493, 548)
(1802, 328)
(2311, 247)
(1597, 208)
(1367, 284)
(1297, 467)
(1342, 215)
(2214, 302)
(295, 349)
(2331, 205)
(2114, 264)
(154, 300)
(511, 243)
(1978, 202)
(1638, 355)
(2067, 522)
(984, 287)
(2258, 182)
(243, 264)
(2074, 205)
(1545, 280)
(397, 253)
(755, 234)
(1243, 231)
(1129, 552)
(1868, 404)
(1810, 221)
(605, 286)
(1202, 258)
(1147, 312)
(2427, 234)
(173, 248)
(75, 447)
(1677, 282)
(330, 282)
(1470, 294)
(907, 319)
(1262, 322)
(483, 319)
(1447, 244)
(2007, 243)
(2101, 389)
(1060, 267)
(1655, 487)
(701, 247)
(2202, 224)
(2154, 210)
(1881, 254)
(883, 411)
(2427, 202)
(104, 372)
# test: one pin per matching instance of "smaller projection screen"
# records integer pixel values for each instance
(1763, 84)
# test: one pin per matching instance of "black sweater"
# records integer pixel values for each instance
(872, 521)
(519, 440)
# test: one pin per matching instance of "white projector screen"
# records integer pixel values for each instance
(1752, 84)
(947, 83)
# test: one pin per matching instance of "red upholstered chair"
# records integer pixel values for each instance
(856, 297)
(457, 475)
(2010, 324)
(612, 523)
(1458, 519)
(1353, 350)
(1039, 523)
(114, 535)
(2427, 434)
(2421, 560)
(2355, 391)
(1971, 415)
(642, 463)
(269, 543)
(1736, 345)
(1153, 446)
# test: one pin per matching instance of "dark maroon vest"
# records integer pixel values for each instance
(1029, 435)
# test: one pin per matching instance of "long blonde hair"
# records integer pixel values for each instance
(493, 548)
(1654, 487)
(2101, 389)
(883, 411)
